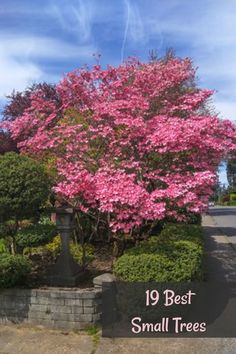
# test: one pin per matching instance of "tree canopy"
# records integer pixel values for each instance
(131, 142)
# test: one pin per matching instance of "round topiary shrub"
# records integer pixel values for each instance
(161, 261)
(13, 270)
(24, 190)
(24, 187)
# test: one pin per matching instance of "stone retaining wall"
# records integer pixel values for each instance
(51, 307)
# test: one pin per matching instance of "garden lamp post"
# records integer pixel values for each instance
(65, 272)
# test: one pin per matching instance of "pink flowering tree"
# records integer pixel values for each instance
(130, 145)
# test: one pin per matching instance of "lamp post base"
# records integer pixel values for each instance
(65, 281)
(65, 272)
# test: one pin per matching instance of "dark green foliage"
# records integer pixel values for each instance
(182, 231)
(8, 228)
(24, 187)
(231, 171)
(232, 197)
(191, 218)
(77, 253)
(194, 218)
(13, 270)
(76, 250)
(53, 250)
(35, 235)
(6, 143)
(18, 102)
(175, 255)
(3, 230)
(3, 247)
(225, 198)
(232, 203)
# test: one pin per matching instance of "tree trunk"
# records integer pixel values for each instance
(13, 246)
(118, 247)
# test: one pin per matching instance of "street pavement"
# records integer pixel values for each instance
(225, 219)
(16, 339)
(220, 244)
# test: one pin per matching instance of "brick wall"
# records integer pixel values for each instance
(51, 307)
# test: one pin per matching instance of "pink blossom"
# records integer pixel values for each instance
(129, 141)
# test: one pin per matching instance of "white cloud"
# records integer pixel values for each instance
(207, 34)
(136, 26)
(20, 56)
(16, 75)
(43, 48)
(74, 16)
(226, 108)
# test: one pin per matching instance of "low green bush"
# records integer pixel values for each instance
(3, 247)
(142, 267)
(13, 270)
(231, 203)
(182, 232)
(53, 249)
(232, 197)
(175, 255)
(35, 235)
(77, 253)
(3, 230)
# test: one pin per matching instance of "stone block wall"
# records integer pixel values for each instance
(51, 307)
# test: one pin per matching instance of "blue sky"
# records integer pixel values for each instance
(43, 39)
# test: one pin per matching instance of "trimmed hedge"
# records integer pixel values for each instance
(231, 203)
(182, 231)
(176, 255)
(13, 270)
